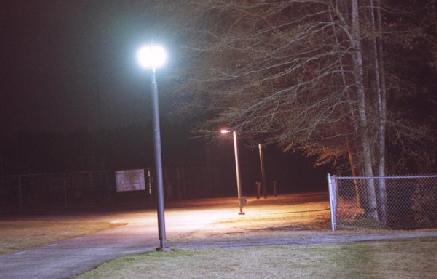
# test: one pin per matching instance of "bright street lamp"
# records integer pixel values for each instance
(151, 57)
(237, 168)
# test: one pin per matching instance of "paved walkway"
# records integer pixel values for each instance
(299, 238)
(67, 258)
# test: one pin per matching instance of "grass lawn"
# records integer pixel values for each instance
(387, 259)
(19, 234)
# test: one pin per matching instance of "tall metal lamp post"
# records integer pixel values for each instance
(237, 168)
(152, 57)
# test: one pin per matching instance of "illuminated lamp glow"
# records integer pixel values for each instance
(225, 131)
(151, 56)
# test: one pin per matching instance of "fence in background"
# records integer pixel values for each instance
(46, 191)
(87, 189)
(393, 202)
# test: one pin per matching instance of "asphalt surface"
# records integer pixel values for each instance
(67, 258)
(208, 223)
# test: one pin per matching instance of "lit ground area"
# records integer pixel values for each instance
(22, 233)
(219, 217)
(185, 220)
(394, 259)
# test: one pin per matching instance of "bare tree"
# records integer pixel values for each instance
(308, 75)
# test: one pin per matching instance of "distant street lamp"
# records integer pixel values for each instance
(237, 168)
(151, 57)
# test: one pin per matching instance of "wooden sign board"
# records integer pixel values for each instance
(130, 180)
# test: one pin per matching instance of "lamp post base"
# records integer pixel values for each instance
(163, 249)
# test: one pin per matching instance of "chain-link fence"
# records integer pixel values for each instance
(97, 189)
(397, 202)
(45, 191)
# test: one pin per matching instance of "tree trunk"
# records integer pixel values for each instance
(364, 133)
(383, 116)
(380, 90)
(334, 11)
(360, 191)
(353, 162)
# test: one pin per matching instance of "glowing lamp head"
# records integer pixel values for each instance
(224, 131)
(151, 56)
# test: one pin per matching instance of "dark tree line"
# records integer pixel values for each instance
(110, 149)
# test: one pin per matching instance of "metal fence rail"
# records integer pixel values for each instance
(390, 202)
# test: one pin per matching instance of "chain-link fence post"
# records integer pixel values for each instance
(332, 202)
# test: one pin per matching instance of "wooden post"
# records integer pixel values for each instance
(20, 193)
(149, 183)
(183, 180)
(65, 191)
(275, 188)
(107, 186)
(178, 183)
(258, 189)
(168, 184)
(263, 170)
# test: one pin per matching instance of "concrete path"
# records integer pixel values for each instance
(67, 258)
(299, 238)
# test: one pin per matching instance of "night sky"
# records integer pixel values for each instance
(70, 64)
